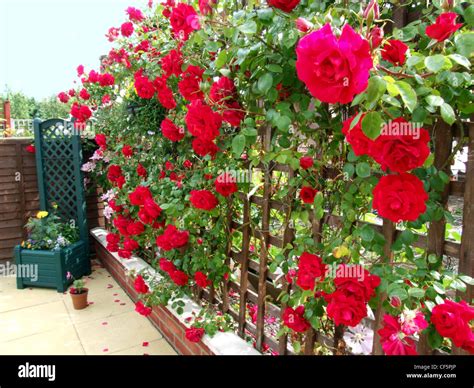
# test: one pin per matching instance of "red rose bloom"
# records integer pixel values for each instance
(112, 238)
(232, 113)
(400, 197)
(30, 148)
(171, 131)
(452, 320)
(347, 281)
(179, 278)
(394, 51)
(135, 228)
(130, 244)
(202, 121)
(284, 5)
(127, 151)
(334, 69)
(63, 97)
(114, 173)
(375, 37)
(394, 341)
(303, 25)
(124, 254)
(84, 94)
(203, 199)
(306, 162)
(139, 195)
(145, 217)
(223, 90)
(142, 309)
(310, 268)
(140, 285)
(295, 320)
(172, 238)
(184, 20)
(152, 208)
(225, 184)
(204, 147)
(194, 334)
(444, 27)
(121, 223)
(165, 94)
(201, 279)
(172, 63)
(345, 310)
(101, 141)
(205, 6)
(166, 265)
(135, 15)
(360, 143)
(190, 84)
(144, 86)
(81, 112)
(398, 149)
(106, 79)
(307, 194)
(141, 171)
(126, 29)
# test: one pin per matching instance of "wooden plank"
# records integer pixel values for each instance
(244, 268)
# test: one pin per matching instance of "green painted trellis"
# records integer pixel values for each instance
(60, 179)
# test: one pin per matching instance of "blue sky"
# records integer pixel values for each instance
(43, 41)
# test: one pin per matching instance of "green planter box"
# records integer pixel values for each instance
(52, 266)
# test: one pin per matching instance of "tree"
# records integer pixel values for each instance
(22, 106)
(50, 107)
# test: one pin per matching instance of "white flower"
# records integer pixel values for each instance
(98, 155)
(88, 167)
(109, 195)
(359, 339)
(108, 211)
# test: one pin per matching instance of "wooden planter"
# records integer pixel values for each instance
(52, 266)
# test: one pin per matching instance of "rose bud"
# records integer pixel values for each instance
(303, 25)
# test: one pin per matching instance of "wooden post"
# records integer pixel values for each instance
(244, 266)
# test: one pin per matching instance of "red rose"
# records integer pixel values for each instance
(114, 173)
(84, 94)
(225, 184)
(166, 265)
(145, 217)
(294, 319)
(126, 29)
(106, 79)
(222, 90)
(165, 94)
(310, 268)
(127, 151)
(393, 340)
(306, 162)
(452, 320)
(112, 247)
(375, 37)
(30, 148)
(112, 238)
(345, 310)
(190, 84)
(303, 25)
(194, 334)
(124, 254)
(444, 27)
(81, 112)
(121, 223)
(140, 285)
(101, 141)
(152, 208)
(394, 51)
(139, 195)
(179, 278)
(172, 63)
(142, 309)
(348, 282)
(184, 20)
(203, 199)
(202, 121)
(135, 15)
(400, 197)
(307, 194)
(171, 131)
(187, 164)
(399, 148)
(360, 143)
(135, 228)
(284, 5)
(143, 86)
(141, 171)
(334, 69)
(232, 113)
(63, 97)
(172, 238)
(205, 6)
(130, 244)
(204, 147)
(201, 279)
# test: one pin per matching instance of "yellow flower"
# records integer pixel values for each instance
(42, 214)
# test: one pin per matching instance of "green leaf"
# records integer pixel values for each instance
(447, 113)
(274, 68)
(375, 90)
(249, 27)
(398, 292)
(238, 145)
(467, 279)
(465, 43)
(436, 62)
(363, 170)
(408, 95)
(221, 59)
(416, 292)
(265, 82)
(283, 123)
(469, 15)
(434, 100)
(367, 233)
(461, 60)
(434, 338)
(372, 125)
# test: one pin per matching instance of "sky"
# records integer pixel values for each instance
(43, 41)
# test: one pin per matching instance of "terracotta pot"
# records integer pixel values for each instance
(79, 301)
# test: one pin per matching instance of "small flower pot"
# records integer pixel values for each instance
(79, 301)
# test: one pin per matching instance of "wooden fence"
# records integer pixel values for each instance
(19, 197)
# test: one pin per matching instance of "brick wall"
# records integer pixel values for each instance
(171, 328)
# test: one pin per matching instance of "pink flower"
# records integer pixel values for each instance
(126, 29)
(394, 341)
(412, 322)
(444, 27)
(134, 14)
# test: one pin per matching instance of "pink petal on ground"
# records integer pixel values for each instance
(117, 300)
(105, 350)
(145, 344)
(104, 323)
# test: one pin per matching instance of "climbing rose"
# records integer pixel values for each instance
(81, 112)
(30, 148)
(306, 162)
(141, 171)
(135, 228)
(165, 94)
(172, 63)
(394, 51)
(452, 320)
(334, 69)
(203, 199)
(394, 341)
(303, 25)
(130, 244)
(106, 79)
(151, 208)
(202, 121)
(140, 285)
(201, 279)
(345, 310)
(232, 113)
(189, 86)
(375, 37)
(139, 195)
(205, 6)
(112, 238)
(135, 15)
(142, 309)
(310, 268)
(222, 90)
(225, 184)
(399, 149)
(194, 334)
(63, 97)
(444, 26)
(124, 254)
(171, 131)
(400, 197)
(126, 29)
(295, 320)
(204, 147)
(179, 278)
(412, 322)
(114, 173)
(361, 144)
(84, 94)
(284, 5)
(184, 20)
(307, 194)
(166, 265)
(127, 151)
(172, 238)
(144, 86)
(101, 140)
(348, 282)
